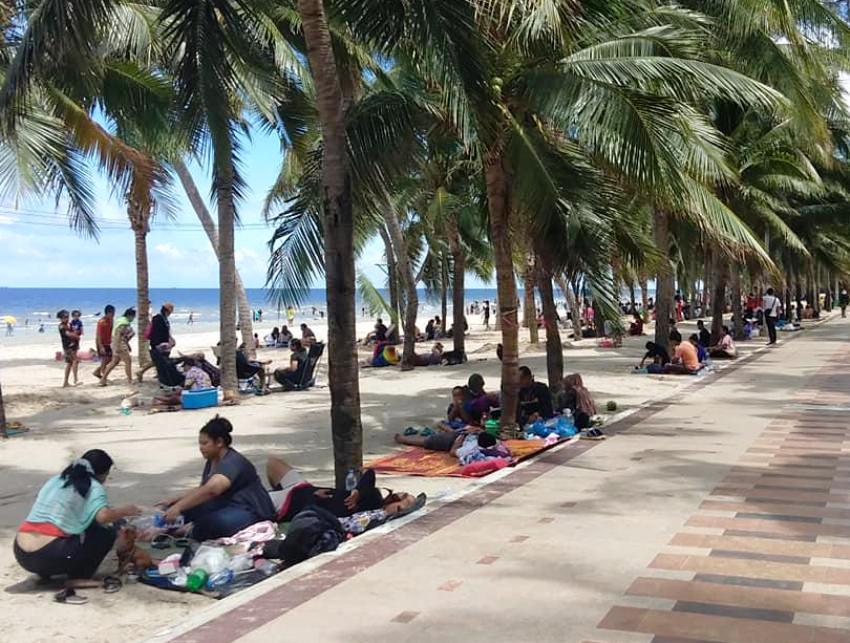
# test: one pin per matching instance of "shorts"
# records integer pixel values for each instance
(280, 494)
(123, 354)
(105, 353)
(441, 441)
(70, 355)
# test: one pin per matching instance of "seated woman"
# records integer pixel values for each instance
(271, 338)
(195, 379)
(68, 530)
(574, 396)
(636, 327)
(285, 337)
(248, 370)
(434, 358)
(231, 495)
(291, 493)
(290, 376)
(725, 348)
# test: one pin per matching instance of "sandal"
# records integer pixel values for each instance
(426, 432)
(69, 597)
(411, 431)
(162, 541)
(593, 434)
(112, 584)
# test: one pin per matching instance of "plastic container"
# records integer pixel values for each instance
(492, 427)
(200, 399)
(219, 580)
(350, 480)
(212, 559)
(197, 580)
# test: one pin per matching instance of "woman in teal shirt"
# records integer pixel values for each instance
(68, 530)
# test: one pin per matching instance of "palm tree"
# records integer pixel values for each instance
(338, 229)
(3, 432)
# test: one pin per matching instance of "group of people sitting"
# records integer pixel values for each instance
(463, 430)
(281, 337)
(688, 356)
(71, 527)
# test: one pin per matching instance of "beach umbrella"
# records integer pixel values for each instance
(8, 319)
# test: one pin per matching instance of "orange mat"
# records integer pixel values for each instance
(416, 461)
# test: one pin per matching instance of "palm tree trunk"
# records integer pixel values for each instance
(3, 433)
(575, 309)
(338, 220)
(554, 348)
(798, 293)
(718, 297)
(392, 283)
(499, 206)
(644, 298)
(737, 308)
(139, 223)
(405, 272)
(458, 287)
(664, 285)
(530, 307)
(226, 273)
(246, 321)
(444, 293)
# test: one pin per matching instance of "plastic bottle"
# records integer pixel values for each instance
(350, 480)
(126, 407)
(197, 580)
(265, 566)
(219, 580)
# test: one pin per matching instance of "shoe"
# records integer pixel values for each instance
(593, 434)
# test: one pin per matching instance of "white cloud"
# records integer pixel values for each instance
(169, 250)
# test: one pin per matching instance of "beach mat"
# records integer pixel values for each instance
(416, 461)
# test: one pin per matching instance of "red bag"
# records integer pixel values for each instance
(147, 333)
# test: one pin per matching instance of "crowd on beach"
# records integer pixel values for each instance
(71, 527)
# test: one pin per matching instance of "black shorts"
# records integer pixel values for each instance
(441, 441)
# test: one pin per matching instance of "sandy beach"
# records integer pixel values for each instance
(157, 455)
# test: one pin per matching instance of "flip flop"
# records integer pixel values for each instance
(69, 597)
(112, 584)
(426, 432)
(411, 431)
(162, 541)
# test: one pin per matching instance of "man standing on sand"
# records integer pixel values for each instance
(70, 346)
(843, 301)
(122, 333)
(103, 339)
(771, 305)
(486, 314)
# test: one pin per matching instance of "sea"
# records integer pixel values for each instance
(33, 308)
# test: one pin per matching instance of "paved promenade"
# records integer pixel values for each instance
(722, 515)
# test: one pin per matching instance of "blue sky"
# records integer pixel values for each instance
(33, 254)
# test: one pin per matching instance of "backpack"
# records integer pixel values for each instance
(312, 531)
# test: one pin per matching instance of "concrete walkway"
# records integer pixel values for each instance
(723, 515)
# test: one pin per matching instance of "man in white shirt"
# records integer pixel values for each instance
(771, 304)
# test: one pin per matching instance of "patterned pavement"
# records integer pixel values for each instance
(766, 559)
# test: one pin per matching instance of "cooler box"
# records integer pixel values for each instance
(200, 399)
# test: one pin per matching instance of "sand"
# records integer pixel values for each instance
(156, 455)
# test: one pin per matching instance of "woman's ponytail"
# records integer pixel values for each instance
(80, 472)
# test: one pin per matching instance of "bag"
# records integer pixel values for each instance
(148, 330)
(312, 531)
(771, 310)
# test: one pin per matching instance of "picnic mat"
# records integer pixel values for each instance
(416, 461)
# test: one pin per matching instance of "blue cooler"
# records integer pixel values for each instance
(200, 399)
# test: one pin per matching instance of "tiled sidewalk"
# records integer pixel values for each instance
(767, 557)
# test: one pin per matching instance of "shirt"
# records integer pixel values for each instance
(160, 330)
(770, 303)
(704, 337)
(687, 353)
(660, 352)
(246, 490)
(728, 345)
(68, 342)
(121, 330)
(77, 326)
(301, 358)
(199, 378)
(534, 399)
(104, 331)
(63, 507)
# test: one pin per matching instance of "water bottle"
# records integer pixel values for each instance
(197, 580)
(219, 580)
(350, 481)
(265, 566)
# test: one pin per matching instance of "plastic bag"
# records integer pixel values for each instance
(210, 559)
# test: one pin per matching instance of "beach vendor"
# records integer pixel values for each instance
(122, 334)
(68, 530)
(291, 492)
(231, 495)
